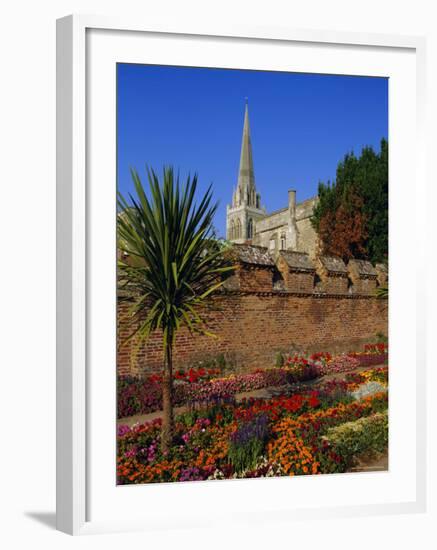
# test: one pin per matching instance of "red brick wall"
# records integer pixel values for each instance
(296, 281)
(335, 285)
(300, 282)
(364, 286)
(255, 279)
(252, 327)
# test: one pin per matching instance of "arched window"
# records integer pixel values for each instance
(238, 230)
(231, 235)
(250, 228)
(272, 243)
(283, 241)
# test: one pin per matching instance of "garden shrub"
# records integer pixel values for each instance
(354, 438)
(279, 361)
(221, 362)
(380, 337)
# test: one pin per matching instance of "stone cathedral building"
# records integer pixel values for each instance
(280, 295)
(248, 222)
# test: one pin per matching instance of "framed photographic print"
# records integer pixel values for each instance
(240, 326)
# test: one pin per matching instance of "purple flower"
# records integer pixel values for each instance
(191, 474)
(151, 451)
(122, 430)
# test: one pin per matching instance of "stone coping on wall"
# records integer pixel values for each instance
(253, 255)
(256, 258)
(278, 211)
(333, 265)
(298, 261)
(362, 269)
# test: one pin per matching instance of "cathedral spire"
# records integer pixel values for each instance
(245, 210)
(246, 176)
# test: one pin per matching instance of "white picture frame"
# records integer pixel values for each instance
(74, 341)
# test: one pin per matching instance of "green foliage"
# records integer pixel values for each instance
(170, 266)
(188, 418)
(382, 292)
(212, 413)
(365, 178)
(369, 434)
(279, 360)
(247, 443)
(215, 362)
(173, 265)
(381, 338)
(221, 362)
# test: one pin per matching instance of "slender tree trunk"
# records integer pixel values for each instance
(167, 400)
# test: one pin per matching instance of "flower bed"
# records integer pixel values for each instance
(138, 396)
(376, 349)
(352, 361)
(286, 435)
(370, 359)
(340, 364)
(373, 354)
(203, 386)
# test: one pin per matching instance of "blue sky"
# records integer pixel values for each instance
(192, 118)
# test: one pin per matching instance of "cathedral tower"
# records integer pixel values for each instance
(245, 209)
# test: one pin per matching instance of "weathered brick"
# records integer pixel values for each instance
(251, 327)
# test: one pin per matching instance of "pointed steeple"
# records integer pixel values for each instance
(245, 210)
(246, 176)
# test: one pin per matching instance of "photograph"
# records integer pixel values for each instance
(252, 285)
(223, 239)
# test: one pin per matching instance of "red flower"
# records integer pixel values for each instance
(314, 401)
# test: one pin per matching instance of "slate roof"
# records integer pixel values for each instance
(332, 264)
(298, 261)
(363, 267)
(253, 255)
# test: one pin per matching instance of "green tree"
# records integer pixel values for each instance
(360, 192)
(171, 266)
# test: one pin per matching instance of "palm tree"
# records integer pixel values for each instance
(171, 266)
(382, 292)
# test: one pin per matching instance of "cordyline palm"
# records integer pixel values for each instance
(382, 292)
(172, 267)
